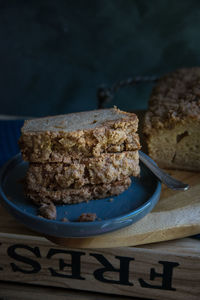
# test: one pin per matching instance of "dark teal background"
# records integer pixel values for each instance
(54, 54)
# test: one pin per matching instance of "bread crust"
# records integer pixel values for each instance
(174, 99)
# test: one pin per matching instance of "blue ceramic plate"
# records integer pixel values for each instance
(125, 209)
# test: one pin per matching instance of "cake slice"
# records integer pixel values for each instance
(172, 123)
(77, 195)
(96, 170)
(63, 138)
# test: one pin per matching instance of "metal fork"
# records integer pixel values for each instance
(165, 178)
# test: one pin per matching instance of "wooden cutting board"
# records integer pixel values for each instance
(176, 215)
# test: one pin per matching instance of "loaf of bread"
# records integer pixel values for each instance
(66, 137)
(172, 123)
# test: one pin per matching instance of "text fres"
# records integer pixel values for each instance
(68, 264)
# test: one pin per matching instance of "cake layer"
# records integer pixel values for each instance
(103, 169)
(85, 193)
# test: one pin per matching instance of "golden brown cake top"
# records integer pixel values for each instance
(175, 98)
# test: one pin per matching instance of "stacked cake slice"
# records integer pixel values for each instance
(80, 156)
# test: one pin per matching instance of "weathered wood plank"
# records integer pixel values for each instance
(14, 291)
(139, 271)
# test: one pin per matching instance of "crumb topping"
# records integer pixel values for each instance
(87, 217)
(175, 98)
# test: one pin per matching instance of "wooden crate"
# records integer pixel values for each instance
(167, 270)
(170, 270)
